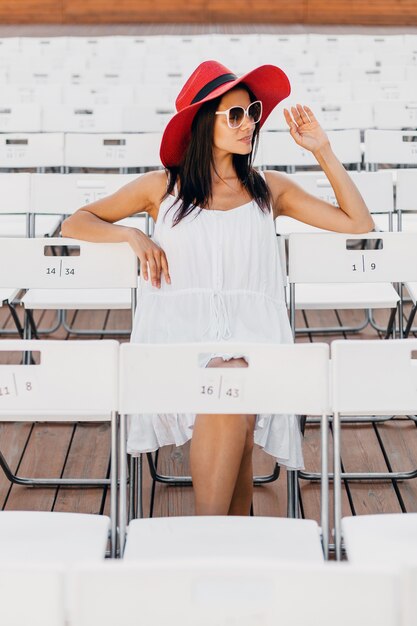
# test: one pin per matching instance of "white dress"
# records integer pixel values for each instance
(226, 285)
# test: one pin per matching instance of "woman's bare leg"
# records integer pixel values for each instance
(242, 495)
(218, 447)
(216, 452)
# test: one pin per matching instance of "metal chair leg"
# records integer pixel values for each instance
(183, 481)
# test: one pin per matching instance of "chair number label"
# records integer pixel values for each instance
(222, 388)
(11, 385)
(59, 270)
(363, 265)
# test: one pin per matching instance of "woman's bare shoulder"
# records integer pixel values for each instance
(276, 180)
(153, 185)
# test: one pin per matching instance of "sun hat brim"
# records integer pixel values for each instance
(269, 84)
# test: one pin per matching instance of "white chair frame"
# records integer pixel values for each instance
(45, 392)
(279, 379)
(363, 384)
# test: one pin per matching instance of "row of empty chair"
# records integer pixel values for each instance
(366, 377)
(125, 117)
(96, 150)
(245, 591)
(385, 192)
(312, 49)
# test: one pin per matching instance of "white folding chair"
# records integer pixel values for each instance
(38, 151)
(395, 114)
(62, 194)
(21, 118)
(32, 94)
(328, 271)
(390, 147)
(278, 379)
(17, 216)
(112, 151)
(406, 207)
(225, 592)
(67, 118)
(15, 205)
(42, 389)
(279, 149)
(14, 221)
(52, 537)
(396, 89)
(101, 276)
(32, 594)
(345, 114)
(388, 539)
(376, 188)
(370, 378)
(92, 95)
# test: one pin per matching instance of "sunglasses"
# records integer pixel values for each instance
(235, 115)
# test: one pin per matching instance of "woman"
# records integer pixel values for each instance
(211, 271)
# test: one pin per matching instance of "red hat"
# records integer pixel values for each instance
(210, 80)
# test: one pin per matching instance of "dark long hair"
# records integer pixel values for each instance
(194, 171)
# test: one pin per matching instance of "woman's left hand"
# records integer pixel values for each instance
(305, 129)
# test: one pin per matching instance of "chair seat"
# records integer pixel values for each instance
(346, 296)
(34, 536)
(77, 299)
(412, 290)
(388, 539)
(223, 537)
(8, 295)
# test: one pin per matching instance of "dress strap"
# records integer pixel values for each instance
(261, 173)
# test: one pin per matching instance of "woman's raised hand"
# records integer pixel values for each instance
(152, 258)
(305, 129)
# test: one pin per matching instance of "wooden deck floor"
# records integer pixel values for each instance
(81, 450)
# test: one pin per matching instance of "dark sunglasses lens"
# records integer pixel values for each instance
(236, 116)
(255, 111)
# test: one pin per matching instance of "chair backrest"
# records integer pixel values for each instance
(41, 587)
(68, 379)
(244, 592)
(280, 149)
(338, 258)
(390, 146)
(378, 377)
(395, 115)
(398, 89)
(112, 150)
(64, 193)
(376, 188)
(346, 114)
(21, 118)
(31, 150)
(67, 118)
(91, 95)
(32, 94)
(25, 264)
(279, 378)
(406, 196)
(15, 193)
